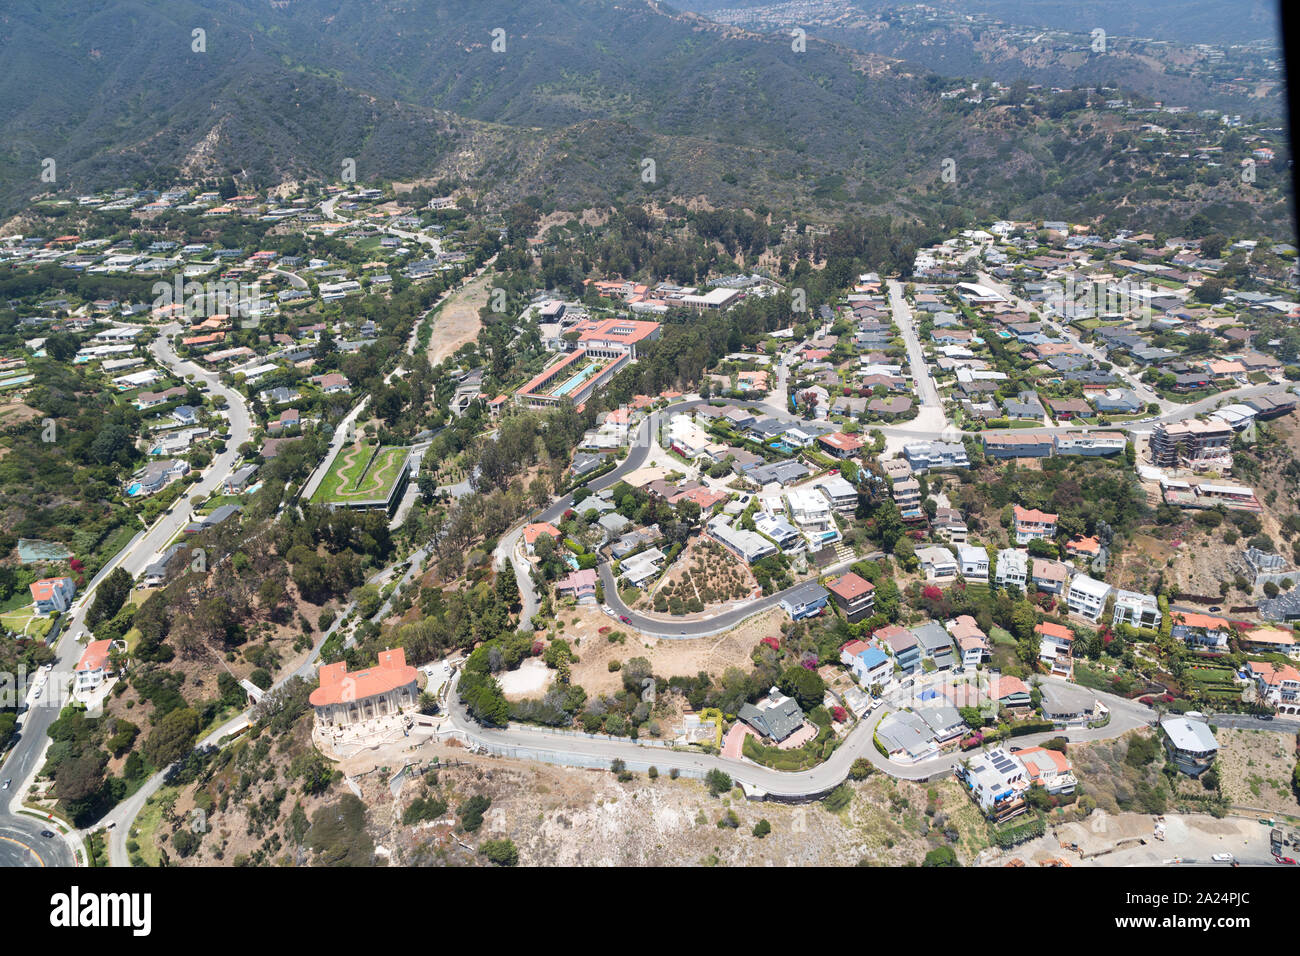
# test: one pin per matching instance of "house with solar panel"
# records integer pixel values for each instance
(997, 782)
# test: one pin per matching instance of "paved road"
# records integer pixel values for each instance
(23, 759)
(295, 280)
(921, 377)
(21, 844)
(529, 742)
(684, 628)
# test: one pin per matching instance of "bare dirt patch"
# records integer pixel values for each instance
(529, 679)
(1255, 769)
(457, 322)
(668, 658)
(557, 816)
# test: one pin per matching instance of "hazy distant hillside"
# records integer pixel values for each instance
(584, 91)
(1183, 21)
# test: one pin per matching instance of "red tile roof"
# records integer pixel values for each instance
(337, 686)
(95, 656)
(850, 586)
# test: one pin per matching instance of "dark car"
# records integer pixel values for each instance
(48, 834)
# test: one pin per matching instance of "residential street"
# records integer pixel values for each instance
(528, 742)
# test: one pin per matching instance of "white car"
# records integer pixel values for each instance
(1222, 858)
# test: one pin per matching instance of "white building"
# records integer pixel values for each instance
(812, 512)
(937, 563)
(1136, 610)
(1087, 596)
(973, 562)
(1012, 568)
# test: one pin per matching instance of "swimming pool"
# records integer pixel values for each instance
(576, 381)
(133, 489)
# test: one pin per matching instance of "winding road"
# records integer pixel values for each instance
(529, 742)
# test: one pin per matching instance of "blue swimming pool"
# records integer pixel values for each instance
(576, 381)
(133, 489)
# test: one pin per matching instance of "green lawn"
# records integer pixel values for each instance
(362, 473)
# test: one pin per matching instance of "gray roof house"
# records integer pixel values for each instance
(935, 641)
(613, 522)
(777, 718)
(1068, 703)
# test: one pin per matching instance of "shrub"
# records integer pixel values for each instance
(941, 856)
(839, 798)
(501, 852)
(717, 782)
(861, 769)
(472, 810)
(762, 828)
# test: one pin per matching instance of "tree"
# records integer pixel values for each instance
(508, 588)
(717, 782)
(941, 856)
(839, 798)
(762, 828)
(805, 686)
(109, 597)
(501, 852)
(172, 737)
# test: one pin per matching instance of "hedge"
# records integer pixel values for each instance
(1032, 727)
(1009, 836)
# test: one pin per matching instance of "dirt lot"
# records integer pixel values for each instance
(1128, 839)
(668, 658)
(457, 322)
(558, 816)
(705, 570)
(1255, 769)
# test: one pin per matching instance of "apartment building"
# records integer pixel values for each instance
(1190, 443)
(1087, 596)
(1135, 609)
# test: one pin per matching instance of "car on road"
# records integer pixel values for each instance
(48, 834)
(1222, 858)
(6, 784)
(625, 619)
(1216, 609)
(1285, 860)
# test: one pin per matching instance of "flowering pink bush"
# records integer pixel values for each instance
(772, 642)
(932, 592)
(839, 715)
